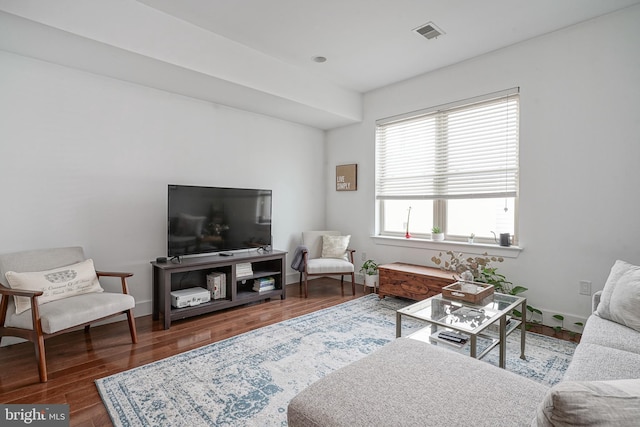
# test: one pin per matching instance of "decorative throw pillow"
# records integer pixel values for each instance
(58, 283)
(591, 403)
(621, 295)
(335, 246)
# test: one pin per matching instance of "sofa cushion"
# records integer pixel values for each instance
(328, 266)
(73, 311)
(412, 383)
(57, 283)
(591, 403)
(621, 295)
(610, 334)
(335, 246)
(594, 362)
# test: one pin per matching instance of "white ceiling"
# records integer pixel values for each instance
(370, 43)
(256, 55)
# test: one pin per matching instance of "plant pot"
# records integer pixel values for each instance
(437, 237)
(371, 280)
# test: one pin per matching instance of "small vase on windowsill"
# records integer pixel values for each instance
(436, 234)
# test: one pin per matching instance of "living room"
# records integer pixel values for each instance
(88, 156)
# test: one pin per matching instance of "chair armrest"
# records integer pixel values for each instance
(351, 252)
(32, 295)
(122, 276)
(113, 274)
(19, 292)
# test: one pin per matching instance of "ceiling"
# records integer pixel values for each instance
(370, 43)
(257, 55)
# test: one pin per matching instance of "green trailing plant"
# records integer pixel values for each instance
(369, 267)
(481, 269)
(560, 328)
(484, 272)
(534, 316)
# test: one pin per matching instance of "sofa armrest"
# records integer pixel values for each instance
(122, 276)
(595, 300)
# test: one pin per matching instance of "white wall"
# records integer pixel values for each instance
(579, 155)
(85, 160)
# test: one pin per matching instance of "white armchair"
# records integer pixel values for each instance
(327, 254)
(52, 291)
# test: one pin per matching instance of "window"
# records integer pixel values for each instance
(453, 166)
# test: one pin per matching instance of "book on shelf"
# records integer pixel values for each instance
(243, 269)
(264, 289)
(217, 284)
(264, 284)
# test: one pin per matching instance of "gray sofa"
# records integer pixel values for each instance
(412, 383)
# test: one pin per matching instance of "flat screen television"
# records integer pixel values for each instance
(215, 219)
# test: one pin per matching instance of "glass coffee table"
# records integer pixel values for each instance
(449, 318)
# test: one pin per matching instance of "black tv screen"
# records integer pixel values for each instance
(214, 219)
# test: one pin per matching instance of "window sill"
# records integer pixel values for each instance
(467, 248)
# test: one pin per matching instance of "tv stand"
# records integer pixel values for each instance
(192, 272)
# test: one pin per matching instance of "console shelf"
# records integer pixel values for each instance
(192, 272)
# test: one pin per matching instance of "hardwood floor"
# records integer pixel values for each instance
(76, 359)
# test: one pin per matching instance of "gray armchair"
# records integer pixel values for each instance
(40, 321)
(327, 254)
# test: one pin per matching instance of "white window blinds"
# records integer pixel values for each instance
(463, 150)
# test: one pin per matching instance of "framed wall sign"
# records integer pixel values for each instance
(347, 177)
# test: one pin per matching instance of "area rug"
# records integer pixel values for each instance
(249, 379)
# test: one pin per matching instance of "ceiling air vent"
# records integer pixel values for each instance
(429, 30)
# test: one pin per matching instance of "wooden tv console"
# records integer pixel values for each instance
(411, 281)
(192, 272)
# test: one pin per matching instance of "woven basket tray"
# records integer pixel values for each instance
(472, 292)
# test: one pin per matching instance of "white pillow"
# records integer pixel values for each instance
(58, 283)
(591, 403)
(621, 296)
(335, 246)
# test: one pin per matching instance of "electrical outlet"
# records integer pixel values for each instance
(364, 256)
(585, 287)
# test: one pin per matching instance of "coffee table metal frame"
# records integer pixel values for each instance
(469, 319)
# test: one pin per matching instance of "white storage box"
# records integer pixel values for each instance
(189, 297)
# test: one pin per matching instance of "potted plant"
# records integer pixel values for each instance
(369, 270)
(436, 234)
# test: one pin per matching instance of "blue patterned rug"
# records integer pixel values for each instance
(250, 378)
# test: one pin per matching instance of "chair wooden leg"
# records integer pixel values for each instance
(40, 356)
(353, 284)
(342, 284)
(306, 286)
(132, 326)
(86, 329)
